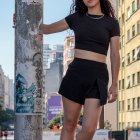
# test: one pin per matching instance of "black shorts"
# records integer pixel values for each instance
(85, 79)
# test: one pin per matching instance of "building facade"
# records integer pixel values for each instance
(7, 92)
(111, 121)
(69, 44)
(1, 88)
(11, 94)
(129, 75)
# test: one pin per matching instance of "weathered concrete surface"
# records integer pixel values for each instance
(28, 70)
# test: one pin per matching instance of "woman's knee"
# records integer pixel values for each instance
(89, 128)
(70, 125)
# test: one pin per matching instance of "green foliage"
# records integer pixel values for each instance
(55, 120)
(59, 119)
(6, 117)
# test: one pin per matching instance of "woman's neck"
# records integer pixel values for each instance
(96, 10)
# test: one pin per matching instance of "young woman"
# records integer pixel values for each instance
(86, 80)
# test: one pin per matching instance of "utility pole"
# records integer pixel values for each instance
(28, 70)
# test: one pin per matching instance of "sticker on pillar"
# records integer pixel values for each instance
(38, 105)
(26, 97)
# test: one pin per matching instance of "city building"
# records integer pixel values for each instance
(48, 56)
(1, 88)
(129, 76)
(112, 120)
(58, 50)
(68, 55)
(54, 77)
(11, 94)
(7, 92)
(53, 73)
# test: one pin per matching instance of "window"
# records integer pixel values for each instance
(123, 105)
(134, 125)
(133, 30)
(133, 54)
(119, 105)
(138, 27)
(128, 82)
(138, 77)
(128, 12)
(120, 126)
(123, 19)
(133, 79)
(128, 58)
(122, 61)
(119, 84)
(133, 103)
(120, 20)
(119, 3)
(72, 43)
(138, 102)
(138, 124)
(137, 54)
(123, 125)
(138, 4)
(133, 6)
(70, 53)
(128, 35)
(123, 41)
(128, 104)
(128, 125)
(122, 83)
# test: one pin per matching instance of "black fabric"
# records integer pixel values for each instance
(85, 79)
(93, 34)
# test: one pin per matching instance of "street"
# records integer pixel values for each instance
(49, 135)
(46, 136)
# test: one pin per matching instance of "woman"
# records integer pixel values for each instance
(86, 80)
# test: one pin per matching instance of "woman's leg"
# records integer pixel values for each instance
(92, 111)
(71, 116)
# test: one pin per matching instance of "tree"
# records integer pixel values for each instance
(6, 117)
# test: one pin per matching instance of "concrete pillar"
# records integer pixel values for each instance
(28, 70)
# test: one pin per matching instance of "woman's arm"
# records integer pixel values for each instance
(55, 27)
(58, 26)
(115, 66)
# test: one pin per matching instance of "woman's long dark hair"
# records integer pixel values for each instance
(80, 7)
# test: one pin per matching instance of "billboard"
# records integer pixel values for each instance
(54, 106)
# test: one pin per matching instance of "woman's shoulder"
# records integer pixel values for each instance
(75, 14)
(113, 21)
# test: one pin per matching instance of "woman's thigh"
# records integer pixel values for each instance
(91, 115)
(71, 111)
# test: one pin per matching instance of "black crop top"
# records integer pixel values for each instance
(93, 34)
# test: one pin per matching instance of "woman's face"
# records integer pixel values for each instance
(91, 3)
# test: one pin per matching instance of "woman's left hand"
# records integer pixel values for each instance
(113, 93)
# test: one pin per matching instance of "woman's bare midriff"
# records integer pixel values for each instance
(83, 54)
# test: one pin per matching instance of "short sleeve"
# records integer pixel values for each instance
(70, 20)
(115, 31)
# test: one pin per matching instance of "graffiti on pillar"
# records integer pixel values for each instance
(24, 95)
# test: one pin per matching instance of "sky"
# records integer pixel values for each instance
(54, 10)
